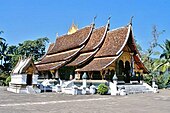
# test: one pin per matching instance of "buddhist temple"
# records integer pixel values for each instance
(100, 52)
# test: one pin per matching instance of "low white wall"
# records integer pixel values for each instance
(18, 78)
(35, 78)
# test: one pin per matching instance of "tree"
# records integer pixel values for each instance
(151, 60)
(3, 47)
(164, 63)
(36, 48)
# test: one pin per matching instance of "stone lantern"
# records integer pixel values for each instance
(84, 77)
(113, 85)
(115, 79)
(154, 86)
(153, 82)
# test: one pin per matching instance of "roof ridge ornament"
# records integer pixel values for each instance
(108, 23)
(93, 23)
(130, 22)
(94, 18)
(109, 19)
(56, 34)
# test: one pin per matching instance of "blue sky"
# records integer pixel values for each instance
(31, 19)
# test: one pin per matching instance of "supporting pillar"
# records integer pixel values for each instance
(56, 74)
(102, 74)
(57, 78)
(77, 76)
(52, 73)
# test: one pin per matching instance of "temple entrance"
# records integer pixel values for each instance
(29, 79)
(121, 71)
(127, 72)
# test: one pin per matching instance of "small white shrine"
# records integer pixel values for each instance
(24, 77)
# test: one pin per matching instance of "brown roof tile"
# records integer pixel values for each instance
(113, 42)
(97, 64)
(50, 47)
(59, 56)
(48, 66)
(67, 42)
(95, 39)
(140, 64)
(80, 59)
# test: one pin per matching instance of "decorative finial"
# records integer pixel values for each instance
(131, 20)
(109, 19)
(56, 34)
(94, 19)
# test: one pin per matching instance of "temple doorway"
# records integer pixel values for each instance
(29, 79)
(127, 72)
(121, 71)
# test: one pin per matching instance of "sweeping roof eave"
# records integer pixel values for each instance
(141, 65)
(98, 64)
(49, 66)
(114, 43)
(71, 41)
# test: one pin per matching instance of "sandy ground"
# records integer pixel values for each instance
(62, 103)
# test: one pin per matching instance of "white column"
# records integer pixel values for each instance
(56, 74)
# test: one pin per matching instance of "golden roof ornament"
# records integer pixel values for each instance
(72, 29)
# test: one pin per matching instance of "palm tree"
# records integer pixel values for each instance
(3, 51)
(164, 62)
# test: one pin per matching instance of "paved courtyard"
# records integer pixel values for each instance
(61, 103)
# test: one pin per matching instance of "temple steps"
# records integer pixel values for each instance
(135, 88)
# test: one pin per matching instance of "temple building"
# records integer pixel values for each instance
(100, 52)
(24, 77)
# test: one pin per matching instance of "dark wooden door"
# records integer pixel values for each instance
(29, 79)
(127, 72)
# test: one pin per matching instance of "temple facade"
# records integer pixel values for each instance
(100, 52)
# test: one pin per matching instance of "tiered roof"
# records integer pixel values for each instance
(90, 49)
(109, 50)
(96, 48)
(112, 48)
(64, 49)
(68, 42)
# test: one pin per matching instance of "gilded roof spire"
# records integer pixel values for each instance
(72, 29)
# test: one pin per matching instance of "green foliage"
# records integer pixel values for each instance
(3, 76)
(148, 78)
(102, 89)
(36, 48)
(9, 55)
(164, 61)
(157, 66)
(8, 79)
